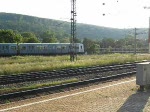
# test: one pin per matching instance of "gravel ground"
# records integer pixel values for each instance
(121, 98)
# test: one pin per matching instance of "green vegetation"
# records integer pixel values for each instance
(10, 36)
(29, 37)
(16, 28)
(35, 86)
(23, 64)
(93, 47)
(90, 46)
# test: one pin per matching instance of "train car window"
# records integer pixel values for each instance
(50, 47)
(81, 47)
(45, 47)
(53, 47)
(40, 47)
(58, 47)
(6, 47)
(63, 47)
(23, 48)
(29, 47)
(77, 47)
(13, 47)
(70, 47)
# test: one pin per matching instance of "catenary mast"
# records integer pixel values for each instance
(73, 54)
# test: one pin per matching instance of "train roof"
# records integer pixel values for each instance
(49, 43)
(8, 43)
(37, 43)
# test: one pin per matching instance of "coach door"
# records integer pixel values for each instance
(13, 50)
(31, 49)
(58, 49)
(64, 49)
(4, 49)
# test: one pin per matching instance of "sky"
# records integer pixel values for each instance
(118, 13)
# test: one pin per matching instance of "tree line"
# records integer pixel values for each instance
(90, 46)
(93, 47)
(12, 36)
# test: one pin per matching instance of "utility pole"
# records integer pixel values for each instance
(73, 53)
(135, 41)
(149, 32)
(149, 37)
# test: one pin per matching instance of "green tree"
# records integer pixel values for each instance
(77, 40)
(29, 37)
(121, 43)
(49, 37)
(90, 46)
(53, 40)
(106, 42)
(10, 36)
(32, 40)
(65, 40)
(94, 48)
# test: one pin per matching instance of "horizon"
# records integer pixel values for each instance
(120, 14)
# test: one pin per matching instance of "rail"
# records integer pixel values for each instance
(72, 72)
(63, 86)
(35, 76)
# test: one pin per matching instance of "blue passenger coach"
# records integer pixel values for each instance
(38, 48)
(8, 49)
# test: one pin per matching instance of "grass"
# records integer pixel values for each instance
(35, 86)
(24, 64)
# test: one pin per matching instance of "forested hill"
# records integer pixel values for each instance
(24, 23)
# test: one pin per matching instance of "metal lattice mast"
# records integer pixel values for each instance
(149, 37)
(73, 53)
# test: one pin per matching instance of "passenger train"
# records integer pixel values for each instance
(9, 49)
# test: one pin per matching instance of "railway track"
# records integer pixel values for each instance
(35, 76)
(101, 74)
(63, 86)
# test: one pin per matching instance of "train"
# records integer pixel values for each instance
(10, 49)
